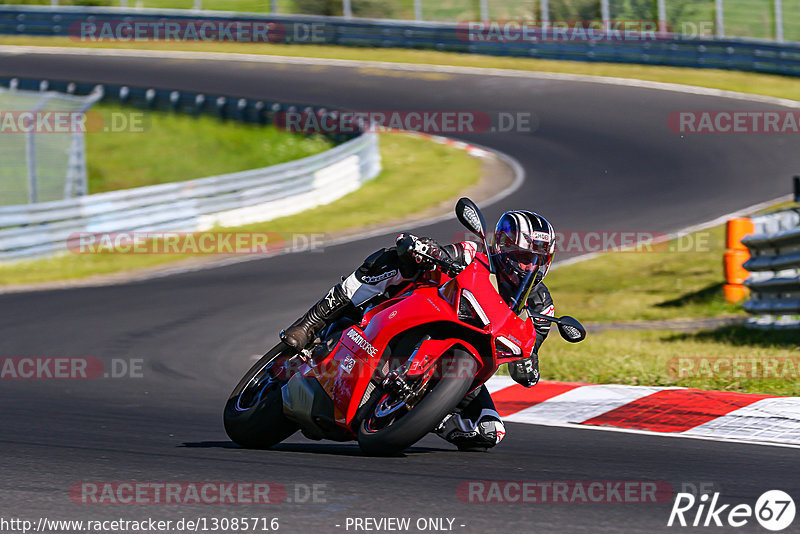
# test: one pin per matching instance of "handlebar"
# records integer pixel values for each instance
(450, 268)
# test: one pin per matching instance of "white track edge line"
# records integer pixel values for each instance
(578, 426)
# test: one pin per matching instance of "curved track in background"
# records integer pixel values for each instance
(601, 158)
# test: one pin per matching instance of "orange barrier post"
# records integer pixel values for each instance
(734, 257)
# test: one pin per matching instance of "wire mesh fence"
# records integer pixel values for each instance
(766, 19)
(42, 146)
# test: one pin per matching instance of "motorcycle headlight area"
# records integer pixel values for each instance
(506, 348)
(470, 311)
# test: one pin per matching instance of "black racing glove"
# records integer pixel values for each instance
(525, 372)
(412, 247)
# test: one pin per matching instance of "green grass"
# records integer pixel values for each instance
(747, 82)
(635, 286)
(417, 174)
(207, 147)
(650, 358)
(644, 285)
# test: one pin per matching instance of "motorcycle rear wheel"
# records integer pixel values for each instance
(440, 399)
(254, 412)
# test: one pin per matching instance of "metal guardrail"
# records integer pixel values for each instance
(673, 50)
(235, 199)
(774, 265)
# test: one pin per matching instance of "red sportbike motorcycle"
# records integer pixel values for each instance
(389, 378)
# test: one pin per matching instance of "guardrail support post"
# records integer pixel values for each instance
(417, 9)
(54, 3)
(779, 20)
(720, 18)
(347, 8)
(662, 16)
(198, 5)
(544, 15)
(30, 157)
(484, 9)
(273, 6)
(605, 14)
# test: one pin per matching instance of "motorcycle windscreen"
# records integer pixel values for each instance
(525, 287)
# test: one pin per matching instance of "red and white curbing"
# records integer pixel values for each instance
(472, 150)
(720, 415)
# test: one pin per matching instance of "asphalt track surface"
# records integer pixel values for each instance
(601, 158)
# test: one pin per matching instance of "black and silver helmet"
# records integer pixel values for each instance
(522, 251)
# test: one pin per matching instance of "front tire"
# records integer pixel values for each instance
(442, 398)
(254, 412)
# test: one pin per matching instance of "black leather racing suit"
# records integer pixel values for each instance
(476, 424)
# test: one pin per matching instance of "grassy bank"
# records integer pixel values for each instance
(704, 360)
(417, 174)
(663, 282)
(748, 82)
(144, 152)
(658, 285)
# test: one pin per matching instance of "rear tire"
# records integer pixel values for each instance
(254, 412)
(440, 400)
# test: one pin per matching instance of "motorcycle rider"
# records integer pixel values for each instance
(523, 241)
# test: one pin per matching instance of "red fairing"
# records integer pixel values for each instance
(346, 373)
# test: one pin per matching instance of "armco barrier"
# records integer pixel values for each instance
(774, 265)
(726, 53)
(234, 199)
(241, 198)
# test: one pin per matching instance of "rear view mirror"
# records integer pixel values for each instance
(470, 216)
(571, 330)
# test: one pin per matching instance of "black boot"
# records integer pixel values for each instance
(305, 329)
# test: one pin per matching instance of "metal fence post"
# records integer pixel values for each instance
(484, 9)
(347, 8)
(779, 20)
(417, 9)
(605, 14)
(54, 3)
(30, 160)
(720, 19)
(273, 6)
(198, 5)
(662, 16)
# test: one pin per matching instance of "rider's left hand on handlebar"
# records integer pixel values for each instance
(417, 248)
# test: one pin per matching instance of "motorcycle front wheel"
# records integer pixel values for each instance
(390, 427)
(254, 412)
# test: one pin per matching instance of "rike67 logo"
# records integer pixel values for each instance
(774, 510)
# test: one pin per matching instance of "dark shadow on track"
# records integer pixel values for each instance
(209, 445)
(336, 449)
